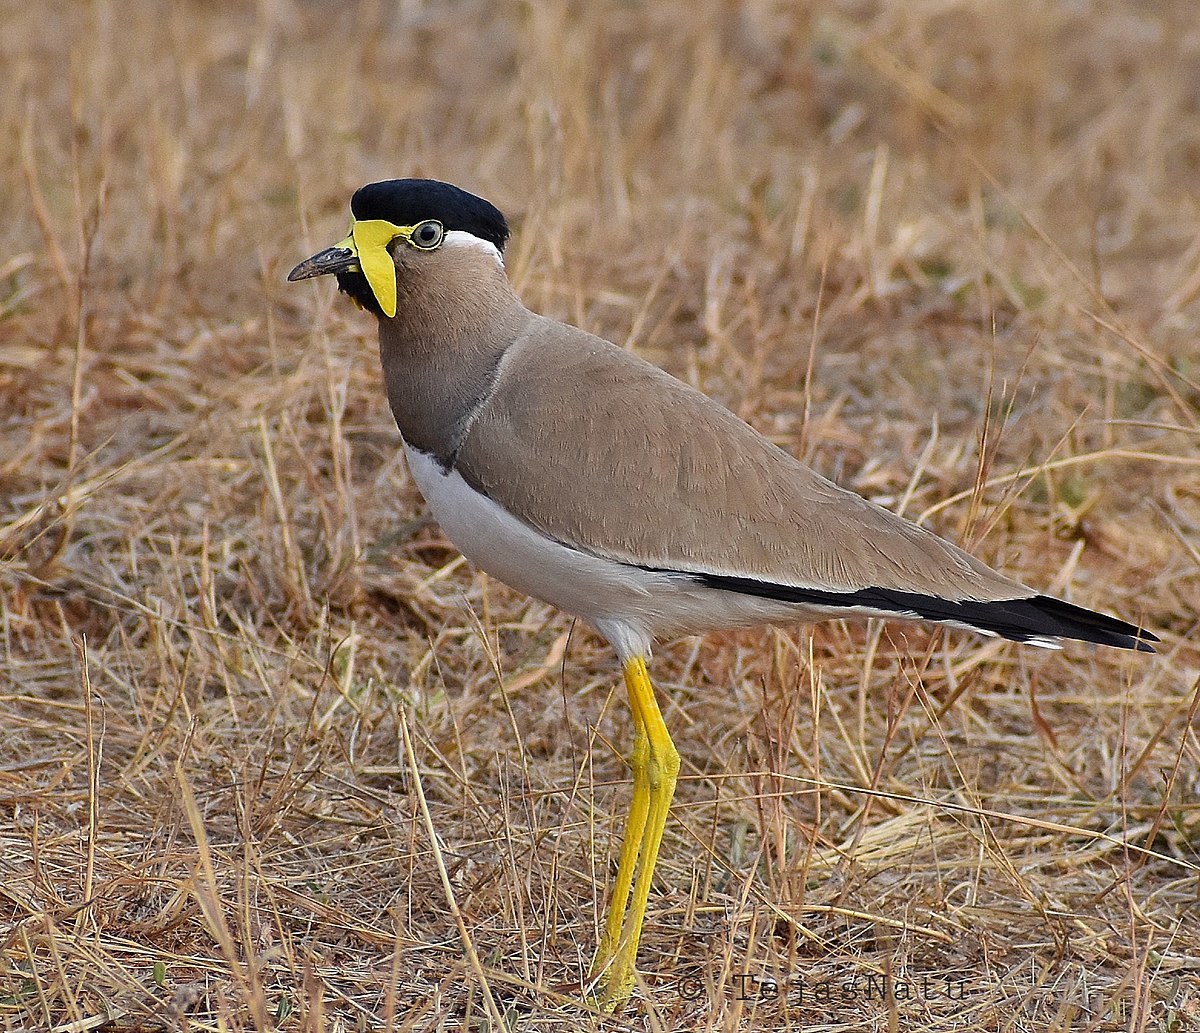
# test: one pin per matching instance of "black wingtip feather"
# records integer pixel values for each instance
(1090, 626)
(1022, 620)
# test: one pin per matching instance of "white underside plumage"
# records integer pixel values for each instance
(629, 606)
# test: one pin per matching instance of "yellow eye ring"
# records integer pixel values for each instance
(427, 235)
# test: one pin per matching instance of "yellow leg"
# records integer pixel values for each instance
(630, 847)
(653, 787)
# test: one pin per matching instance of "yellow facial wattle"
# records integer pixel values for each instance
(370, 239)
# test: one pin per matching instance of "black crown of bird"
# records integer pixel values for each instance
(578, 473)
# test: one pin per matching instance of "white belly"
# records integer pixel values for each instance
(627, 605)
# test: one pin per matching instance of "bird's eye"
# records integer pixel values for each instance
(427, 235)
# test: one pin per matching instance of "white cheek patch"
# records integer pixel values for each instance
(461, 238)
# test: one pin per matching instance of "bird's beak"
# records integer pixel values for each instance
(342, 257)
(365, 250)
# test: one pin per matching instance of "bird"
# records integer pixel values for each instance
(576, 472)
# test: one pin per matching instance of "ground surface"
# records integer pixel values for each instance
(949, 252)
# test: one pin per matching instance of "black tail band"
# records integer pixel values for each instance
(1036, 616)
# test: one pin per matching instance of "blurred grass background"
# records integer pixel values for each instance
(948, 251)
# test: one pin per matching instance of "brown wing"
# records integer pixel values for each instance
(601, 451)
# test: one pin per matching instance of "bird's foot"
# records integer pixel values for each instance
(612, 980)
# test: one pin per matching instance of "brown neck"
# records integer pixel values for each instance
(441, 352)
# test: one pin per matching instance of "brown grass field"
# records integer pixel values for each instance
(948, 251)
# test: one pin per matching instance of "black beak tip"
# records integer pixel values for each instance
(331, 260)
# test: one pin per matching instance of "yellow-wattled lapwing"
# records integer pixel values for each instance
(576, 472)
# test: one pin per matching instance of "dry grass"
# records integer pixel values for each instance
(947, 251)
